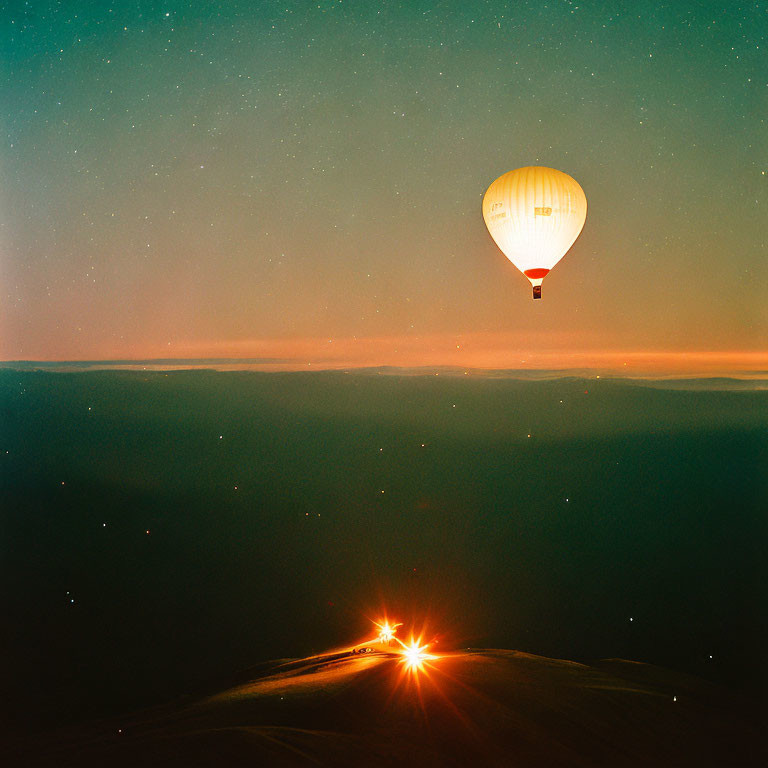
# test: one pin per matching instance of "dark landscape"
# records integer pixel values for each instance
(166, 534)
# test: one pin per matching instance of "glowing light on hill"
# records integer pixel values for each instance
(414, 656)
(387, 631)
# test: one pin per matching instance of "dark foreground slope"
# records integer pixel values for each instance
(488, 707)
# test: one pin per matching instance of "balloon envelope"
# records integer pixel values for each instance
(535, 214)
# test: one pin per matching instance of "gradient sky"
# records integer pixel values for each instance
(303, 180)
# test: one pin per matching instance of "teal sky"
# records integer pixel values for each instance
(225, 179)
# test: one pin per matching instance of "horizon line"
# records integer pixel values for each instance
(288, 365)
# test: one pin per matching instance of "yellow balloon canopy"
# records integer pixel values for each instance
(535, 215)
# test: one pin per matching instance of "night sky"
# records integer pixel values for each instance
(302, 180)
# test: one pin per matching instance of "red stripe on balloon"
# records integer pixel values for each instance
(536, 273)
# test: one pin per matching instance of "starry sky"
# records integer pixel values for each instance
(301, 181)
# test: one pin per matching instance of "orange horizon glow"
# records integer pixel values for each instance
(478, 351)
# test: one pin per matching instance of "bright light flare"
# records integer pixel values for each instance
(415, 655)
(387, 631)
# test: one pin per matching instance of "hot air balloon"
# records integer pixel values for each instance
(535, 215)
